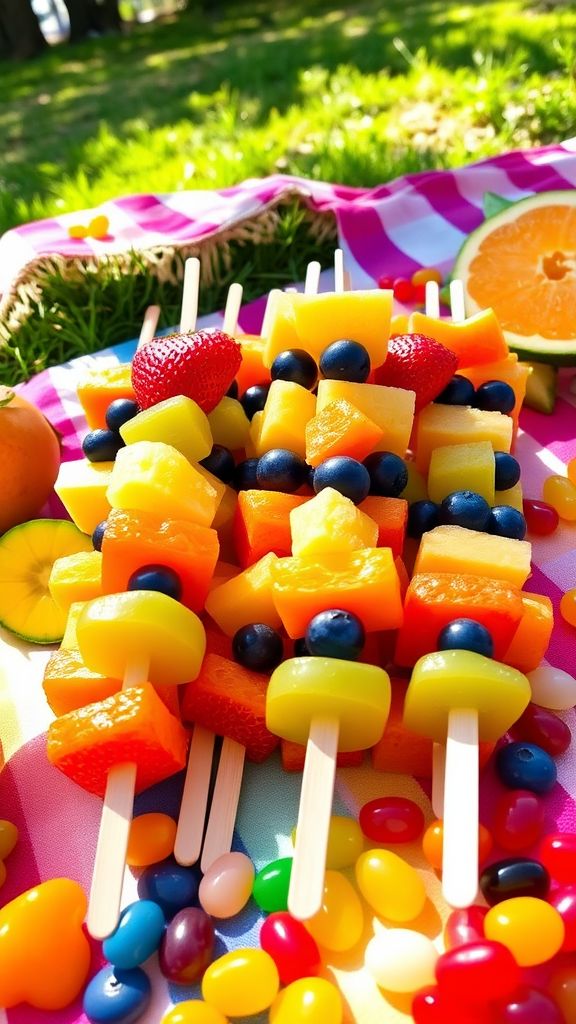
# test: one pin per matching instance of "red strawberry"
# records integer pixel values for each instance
(419, 364)
(200, 365)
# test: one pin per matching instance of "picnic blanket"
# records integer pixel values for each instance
(416, 220)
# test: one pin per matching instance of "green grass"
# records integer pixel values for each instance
(357, 94)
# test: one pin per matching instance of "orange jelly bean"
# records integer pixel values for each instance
(426, 274)
(572, 470)
(44, 954)
(561, 494)
(433, 839)
(151, 839)
(568, 607)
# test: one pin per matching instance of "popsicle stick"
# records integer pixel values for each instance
(220, 828)
(232, 310)
(149, 325)
(432, 299)
(192, 815)
(438, 778)
(457, 307)
(189, 313)
(269, 311)
(110, 859)
(460, 848)
(309, 864)
(312, 278)
(339, 279)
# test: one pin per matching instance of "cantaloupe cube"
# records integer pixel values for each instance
(252, 370)
(150, 475)
(440, 425)
(361, 315)
(177, 421)
(100, 387)
(530, 641)
(229, 424)
(245, 598)
(454, 549)
(330, 522)
(262, 524)
(479, 339)
(513, 497)
(76, 578)
(391, 517)
(68, 684)
(82, 488)
(279, 325)
(391, 409)
(286, 413)
(458, 467)
(340, 429)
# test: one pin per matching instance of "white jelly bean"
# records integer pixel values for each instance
(227, 885)
(553, 688)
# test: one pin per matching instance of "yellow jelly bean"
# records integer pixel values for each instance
(241, 983)
(339, 923)
(401, 960)
(426, 274)
(151, 839)
(77, 231)
(532, 930)
(568, 607)
(307, 1001)
(345, 842)
(98, 226)
(8, 838)
(561, 494)
(194, 1011)
(391, 886)
(3, 873)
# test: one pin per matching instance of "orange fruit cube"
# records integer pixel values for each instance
(340, 429)
(245, 598)
(391, 518)
(530, 641)
(102, 386)
(262, 524)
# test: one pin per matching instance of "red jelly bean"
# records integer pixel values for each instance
(544, 728)
(391, 819)
(430, 1006)
(403, 289)
(479, 972)
(386, 282)
(464, 926)
(529, 1006)
(541, 518)
(518, 820)
(564, 899)
(291, 947)
(558, 853)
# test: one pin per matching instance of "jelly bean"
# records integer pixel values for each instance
(526, 766)
(531, 929)
(227, 885)
(194, 1011)
(464, 926)
(433, 841)
(561, 494)
(564, 900)
(425, 274)
(117, 997)
(385, 282)
(541, 518)
(187, 947)
(170, 885)
(479, 972)
(403, 289)
(557, 852)
(544, 728)
(401, 960)
(430, 1006)
(391, 819)
(553, 688)
(518, 820)
(516, 876)
(391, 886)
(137, 935)
(151, 839)
(571, 467)
(345, 842)
(270, 889)
(99, 226)
(339, 923)
(307, 1001)
(291, 947)
(530, 1006)
(241, 983)
(8, 838)
(562, 988)
(568, 606)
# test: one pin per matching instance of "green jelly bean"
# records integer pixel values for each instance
(272, 883)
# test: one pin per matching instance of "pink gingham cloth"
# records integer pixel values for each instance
(418, 220)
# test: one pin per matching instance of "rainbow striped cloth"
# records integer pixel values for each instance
(417, 220)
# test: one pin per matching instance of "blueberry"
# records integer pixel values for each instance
(300, 648)
(495, 396)
(505, 521)
(170, 885)
(159, 578)
(388, 474)
(512, 877)
(119, 412)
(244, 477)
(98, 535)
(344, 474)
(254, 399)
(232, 390)
(220, 462)
(466, 635)
(465, 508)
(116, 996)
(458, 391)
(507, 471)
(525, 766)
(422, 516)
(296, 365)
(345, 360)
(335, 634)
(258, 647)
(102, 445)
(281, 470)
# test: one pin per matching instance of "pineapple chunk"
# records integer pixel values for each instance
(279, 326)
(391, 409)
(288, 409)
(245, 598)
(82, 489)
(440, 425)
(454, 549)
(75, 578)
(177, 421)
(150, 475)
(513, 497)
(330, 522)
(458, 467)
(361, 315)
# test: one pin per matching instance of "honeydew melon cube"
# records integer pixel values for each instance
(288, 409)
(330, 522)
(391, 409)
(82, 488)
(458, 467)
(363, 316)
(440, 425)
(177, 421)
(150, 475)
(512, 496)
(455, 549)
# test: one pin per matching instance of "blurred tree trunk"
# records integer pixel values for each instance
(89, 16)
(20, 30)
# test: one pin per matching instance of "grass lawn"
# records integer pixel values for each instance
(357, 95)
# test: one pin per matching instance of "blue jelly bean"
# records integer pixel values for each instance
(115, 996)
(526, 766)
(170, 885)
(137, 935)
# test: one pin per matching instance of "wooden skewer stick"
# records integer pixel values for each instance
(190, 291)
(232, 310)
(110, 860)
(191, 819)
(220, 828)
(312, 278)
(339, 276)
(149, 325)
(460, 845)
